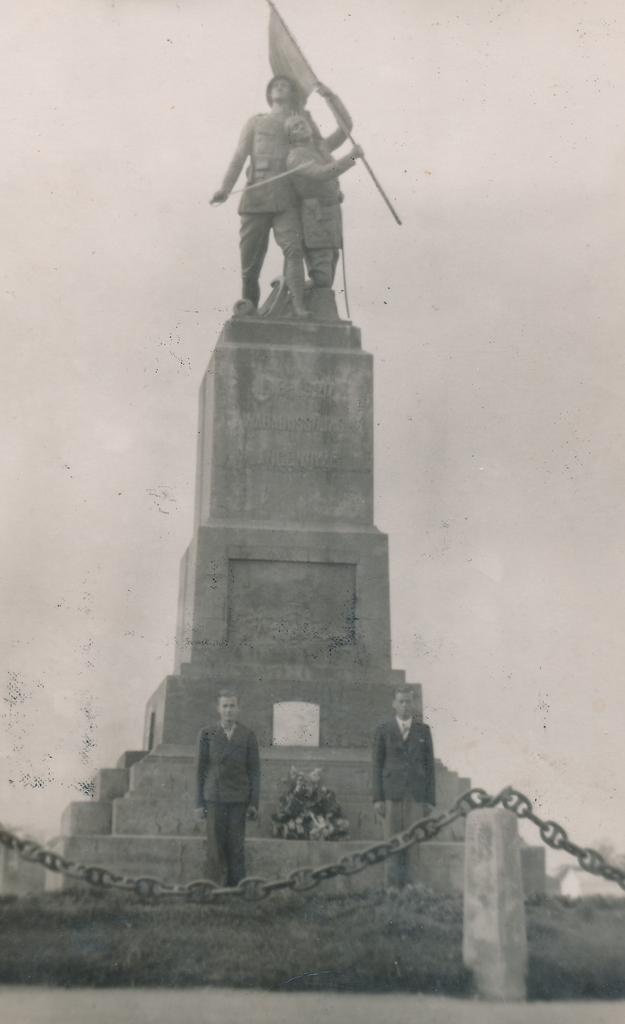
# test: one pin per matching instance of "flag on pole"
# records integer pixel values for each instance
(285, 56)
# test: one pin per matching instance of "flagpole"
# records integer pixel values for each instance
(340, 120)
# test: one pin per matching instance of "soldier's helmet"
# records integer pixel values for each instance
(298, 99)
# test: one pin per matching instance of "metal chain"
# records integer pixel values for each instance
(556, 837)
(305, 879)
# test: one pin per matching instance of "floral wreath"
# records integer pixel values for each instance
(308, 810)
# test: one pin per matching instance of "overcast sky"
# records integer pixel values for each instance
(495, 316)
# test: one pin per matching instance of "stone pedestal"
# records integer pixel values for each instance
(283, 595)
(494, 943)
(284, 590)
(19, 877)
(160, 797)
(180, 859)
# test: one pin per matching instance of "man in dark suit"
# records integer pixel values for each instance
(403, 777)
(228, 784)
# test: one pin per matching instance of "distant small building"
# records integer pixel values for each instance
(576, 882)
(19, 877)
(552, 881)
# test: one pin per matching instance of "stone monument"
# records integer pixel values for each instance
(284, 588)
(283, 595)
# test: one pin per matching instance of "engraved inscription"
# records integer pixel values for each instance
(266, 386)
(293, 424)
(291, 604)
(287, 460)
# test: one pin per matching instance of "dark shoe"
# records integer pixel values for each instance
(301, 313)
(244, 307)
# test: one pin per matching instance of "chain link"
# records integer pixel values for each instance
(305, 879)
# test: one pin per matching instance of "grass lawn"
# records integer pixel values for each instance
(372, 942)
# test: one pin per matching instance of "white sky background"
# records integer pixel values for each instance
(494, 314)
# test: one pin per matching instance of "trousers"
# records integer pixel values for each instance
(321, 264)
(403, 867)
(225, 842)
(254, 240)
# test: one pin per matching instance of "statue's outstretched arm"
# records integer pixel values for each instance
(241, 153)
(341, 114)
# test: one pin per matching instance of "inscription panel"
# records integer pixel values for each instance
(272, 384)
(283, 460)
(298, 425)
(293, 424)
(280, 605)
(294, 437)
(295, 724)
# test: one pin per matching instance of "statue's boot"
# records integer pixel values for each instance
(294, 277)
(250, 291)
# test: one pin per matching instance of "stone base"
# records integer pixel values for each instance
(319, 301)
(160, 795)
(151, 829)
(331, 334)
(438, 865)
(20, 877)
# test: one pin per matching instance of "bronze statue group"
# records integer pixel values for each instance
(292, 190)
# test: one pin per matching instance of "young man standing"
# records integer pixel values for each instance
(228, 784)
(403, 777)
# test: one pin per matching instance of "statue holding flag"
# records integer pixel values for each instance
(315, 182)
(271, 200)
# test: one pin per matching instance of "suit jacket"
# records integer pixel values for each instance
(403, 767)
(228, 770)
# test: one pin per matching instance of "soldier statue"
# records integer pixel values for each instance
(315, 182)
(275, 205)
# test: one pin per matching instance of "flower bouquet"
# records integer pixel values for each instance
(308, 810)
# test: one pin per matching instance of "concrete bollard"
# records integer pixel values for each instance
(494, 945)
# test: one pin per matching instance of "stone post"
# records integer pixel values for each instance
(494, 944)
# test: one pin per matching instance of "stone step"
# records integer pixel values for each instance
(156, 794)
(130, 757)
(111, 783)
(171, 771)
(87, 818)
(157, 815)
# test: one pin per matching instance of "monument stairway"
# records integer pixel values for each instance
(141, 821)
